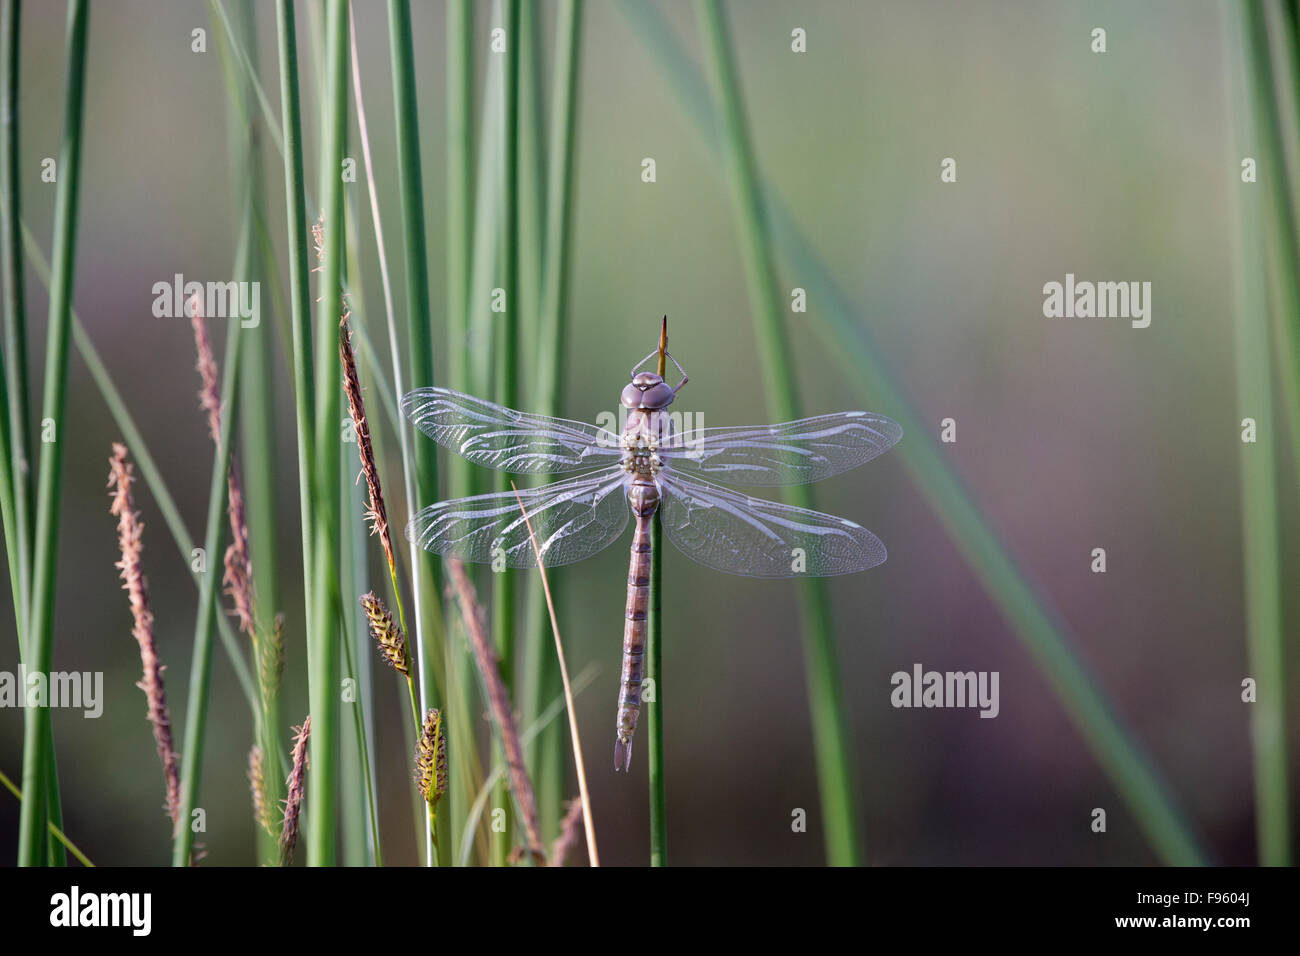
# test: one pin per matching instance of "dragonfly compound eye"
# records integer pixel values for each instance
(644, 380)
(657, 396)
(631, 397)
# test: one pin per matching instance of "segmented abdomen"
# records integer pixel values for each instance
(644, 499)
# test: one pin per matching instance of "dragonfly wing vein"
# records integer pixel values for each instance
(732, 532)
(571, 520)
(498, 437)
(792, 453)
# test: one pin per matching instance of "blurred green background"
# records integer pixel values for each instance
(1072, 434)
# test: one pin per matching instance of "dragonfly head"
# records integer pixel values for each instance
(648, 391)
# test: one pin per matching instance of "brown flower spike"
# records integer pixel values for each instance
(377, 514)
(293, 802)
(431, 759)
(238, 576)
(387, 633)
(257, 784)
(130, 541)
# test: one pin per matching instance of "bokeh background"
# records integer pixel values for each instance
(1072, 434)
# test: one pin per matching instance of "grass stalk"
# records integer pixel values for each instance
(460, 188)
(323, 649)
(846, 338)
(200, 686)
(498, 771)
(8, 511)
(1274, 57)
(1264, 256)
(38, 744)
(54, 831)
(545, 755)
(256, 386)
(505, 342)
(575, 738)
(299, 295)
(361, 840)
(500, 708)
(531, 151)
(425, 572)
(825, 697)
(17, 388)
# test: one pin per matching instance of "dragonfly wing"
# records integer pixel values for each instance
(571, 520)
(788, 454)
(498, 437)
(733, 532)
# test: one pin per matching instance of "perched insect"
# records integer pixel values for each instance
(649, 467)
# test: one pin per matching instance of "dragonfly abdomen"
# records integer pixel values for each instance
(643, 497)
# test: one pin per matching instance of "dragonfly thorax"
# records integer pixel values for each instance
(644, 434)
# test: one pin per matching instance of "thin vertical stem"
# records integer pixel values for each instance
(829, 720)
(506, 342)
(460, 243)
(17, 387)
(196, 707)
(299, 295)
(38, 745)
(1262, 217)
(539, 681)
(532, 177)
(425, 572)
(460, 188)
(257, 410)
(323, 649)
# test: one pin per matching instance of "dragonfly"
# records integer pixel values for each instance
(649, 467)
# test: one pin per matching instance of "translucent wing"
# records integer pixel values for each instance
(732, 532)
(788, 454)
(571, 519)
(497, 437)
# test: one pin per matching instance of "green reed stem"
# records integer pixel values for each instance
(359, 796)
(655, 712)
(17, 387)
(425, 572)
(506, 344)
(8, 512)
(408, 467)
(38, 745)
(1265, 254)
(323, 648)
(846, 338)
(196, 711)
(460, 245)
(1278, 79)
(304, 391)
(257, 471)
(829, 718)
(498, 771)
(54, 831)
(532, 178)
(542, 678)
(460, 190)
